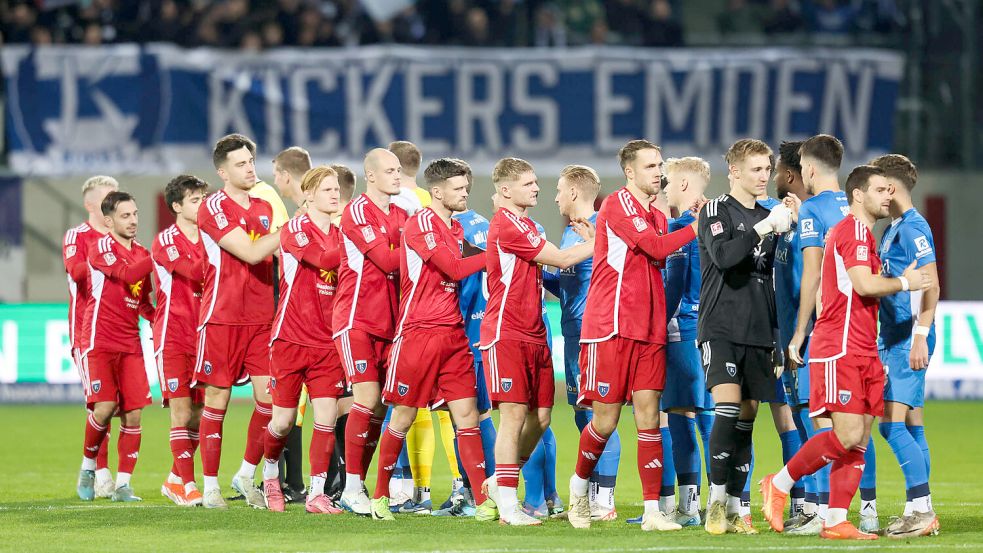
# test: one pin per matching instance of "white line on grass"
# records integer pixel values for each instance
(681, 548)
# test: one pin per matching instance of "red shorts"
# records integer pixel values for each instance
(293, 365)
(115, 376)
(850, 384)
(363, 356)
(519, 372)
(174, 372)
(614, 369)
(229, 355)
(429, 368)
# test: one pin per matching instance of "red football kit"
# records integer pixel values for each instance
(301, 351)
(431, 362)
(845, 371)
(237, 301)
(179, 269)
(624, 331)
(517, 360)
(112, 360)
(364, 319)
(75, 254)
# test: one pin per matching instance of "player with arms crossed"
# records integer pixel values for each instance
(906, 342)
(364, 318)
(113, 373)
(75, 254)
(847, 376)
(179, 270)
(236, 313)
(516, 357)
(624, 333)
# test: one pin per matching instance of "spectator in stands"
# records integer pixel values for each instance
(783, 18)
(830, 16)
(549, 29)
(661, 29)
(741, 17)
(626, 19)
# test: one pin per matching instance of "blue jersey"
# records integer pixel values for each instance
(474, 289)
(818, 215)
(682, 278)
(768, 202)
(550, 282)
(788, 280)
(908, 239)
(571, 286)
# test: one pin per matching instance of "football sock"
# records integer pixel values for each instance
(473, 459)
(402, 474)
(256, 438)
(371, 442)
(822, 479)
(605, 474)
(390, 444)
(650, 462)
(447, 436)
(488, 436)
(704, 423)
(845, 475)
(918, 433)
(507, 478)
(581, 417)
(591, 446)
(740, 461)
(868, 482)
(272, 448)
(420, 446)
(533, 474)
(723, 442)
(211, 444)
(102, 458)
(790, 445)
(810, 496)
(746, 492)
(733, 505)
(686, 458)
(549, 463)
(322, 447)
(128, 448)
(293, 454)
(122, 478)
(356, 437)
(184, 455)
(910, 458)
(94, 434)
(667, 490)
(815, 454)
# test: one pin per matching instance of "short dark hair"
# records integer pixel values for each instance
(467, 168)
(408, 155)
(824, 148)
(788, 155)
(859, 179)
(443, 169)
(180, 186)
(112, 201)
(897, 166)
(346, 182)
(231, 143)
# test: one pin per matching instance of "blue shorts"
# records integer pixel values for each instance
(571, 367)
(803, 378)
(903, 384)
(481, 389)
(685, 379)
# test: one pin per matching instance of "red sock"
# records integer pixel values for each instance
(193, 435)
(375, 430)
(128, 447)
(184, 456)
(273, 445)
(473, 459)
(650, 462)
(322, 447)
(506, 475)
(392, 445)
(819, 451)
(356, 434)
(844, 477)
(591, 446)
(256, 435)
(211, 444)
(95, 435)
(102, 459)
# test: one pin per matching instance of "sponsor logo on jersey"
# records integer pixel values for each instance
(506, 384)
(731, 369)
(431, 241)
(639, 223)
(716, 228)
(844, 396)
(534, 239)
(208, 367)
(402, 389)
(70, 251)
(302, 239)
(220, 221)
(603, 388)
(862, 253)
(172, 253)
(923, 247)
(135, 289)
(265, 221)
(361, 365)
(96, 386)
(172, 384)
(808, 229)
(109, 258)
(368, 234)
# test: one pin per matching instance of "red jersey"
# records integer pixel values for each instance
(367, 297)
(75, 254)
(179, 270)
(515, 282)
(627, 295)
(308, 277)
(847, 323)
(235, 292)
(120, 294)
(430, 268)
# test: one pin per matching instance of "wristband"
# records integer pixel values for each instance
(904, 284)
(922, 330)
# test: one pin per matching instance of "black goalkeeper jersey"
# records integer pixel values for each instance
(737, 296)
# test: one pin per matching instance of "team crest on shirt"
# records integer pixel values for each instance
(109, 257)
(862, 253)
(265, 221)
(96, 386)
(208, 367)
(302, 239)
(172, 253)
(506, 384)
(603, 387)
(844, 396)
(402, 389)
(731, 369)
(272, 383)
(361, 365)
(368, 234)
(70, 251)
(639, 223)
(716, 228)
(172, 384)
(220, 221)
(430, 240)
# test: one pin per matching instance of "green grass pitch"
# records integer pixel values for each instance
(40, 512)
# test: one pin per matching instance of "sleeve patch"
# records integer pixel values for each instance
(431, 241)
(70, 251)
(862, 253)
(534, 239)
(922, 247)
(368, 234)
(301, 238)
(220, 221)
(109, 258)
(716, 228)
(172, 253)
(640, 224)
(807, 229)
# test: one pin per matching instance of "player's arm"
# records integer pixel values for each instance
(147, 310)
(725, 246)
(453, 266)
(115, 269)
(869, 285)
(918, 246)
(551, 281)
(75, 261)
(551, 255)
(238, 243)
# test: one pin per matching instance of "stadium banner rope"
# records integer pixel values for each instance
(36, 364)
(159, 108)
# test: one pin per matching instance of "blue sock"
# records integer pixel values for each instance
(822, 476)
(685, 453)
(403, 464)
(918, 433)
(868, 480)
(488, 436)
(803, 424)
(668, 466)
(790, 445)
(549, 463)
(533, 476)
(606, 471)
(581, 417)
(704, 421)
(909, 456)
(746, 494)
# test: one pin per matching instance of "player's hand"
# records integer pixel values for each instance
(793, 203)
(794, 345)
(918, 358)
(780, 219)
(917, 279)
(584, 228)
(777, 363)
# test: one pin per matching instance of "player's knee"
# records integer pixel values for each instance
(850, 437)
(282, 423)
(131, 418)
(180, 417)
(103, 411)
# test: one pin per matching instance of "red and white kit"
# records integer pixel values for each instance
(237, 300)
(517, 360)
(301, 351)
(845, 371)
(75, 254)
(179, 269)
